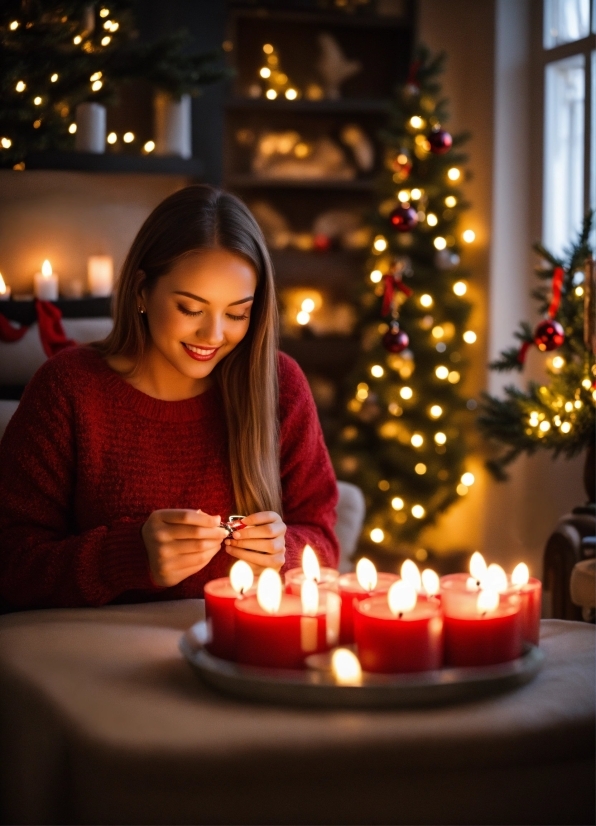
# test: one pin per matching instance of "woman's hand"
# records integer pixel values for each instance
(261, 543)
(179, 543)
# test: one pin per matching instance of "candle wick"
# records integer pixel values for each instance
(483, 614)
(242, 592)
(401, 613)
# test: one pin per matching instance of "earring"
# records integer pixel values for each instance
(140, 309)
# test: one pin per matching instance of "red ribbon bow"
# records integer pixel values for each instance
(51, 332)
(392, 282)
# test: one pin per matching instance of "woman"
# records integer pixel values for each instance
(123, 458)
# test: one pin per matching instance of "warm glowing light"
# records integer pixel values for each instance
(426, 300)
(416, 194)
(6, 143)
(265, 72)
(308, 305)
(432, 221)
(430, 582)
(469, 337)
(409, 573)
(112, 137)
(14, 25)
(2, 285)
(495, 578)
(437, 332)
(397, 503)
(402, 598)
(406, 392)
(46, 269)
(291, 94)
(377, 535)
(453, 377)
(53, 78)
(417, 440)
(366, 574)
(469, 236)
(377, 371)
(577, 404)
(104, 12)
(309, 595)
(436, 411)
(416, 122)
(241, 577)
(269, 591)
(77, 39)
(440, 243)
(520, 575)
(270, 94)
(303, 317)
(544, 427)
(420, 468)
(268, 48)
(128, 137)
(487, 601)
(96, 76)
(403, 196)
(105, 41)
(468, 479)
(460, 288)
(565, 427)
(461, 489)
(453, 174)
(21, 86)
(440, 438)
(149, 146)
(579, 291)
(586, 384)
(450, 201)
(418, 512)
(380, 243)
(345, 667)
(96, 86)
(72, 128)
(442, 372)
(477, 566)
(310, 564)
(37, 100)
(376, 276)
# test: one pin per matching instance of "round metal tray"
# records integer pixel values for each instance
(316, 687)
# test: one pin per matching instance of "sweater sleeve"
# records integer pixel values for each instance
(44, 562)
(309, 487)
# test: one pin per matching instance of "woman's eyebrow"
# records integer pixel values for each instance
(204, 300)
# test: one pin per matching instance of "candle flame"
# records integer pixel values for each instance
(309, 594)
(402, 597)
(477, 566)
(366, 574)
(269, 591)
(310, 564)
(472, 584)
(46, 269)
(346, 667)
(241, 577)
(488, 600)
(520, 575)
(495, 579)
(2, 285)
(430, 582)
(411, 574)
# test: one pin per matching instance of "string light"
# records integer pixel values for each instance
(544, 426)
(462, 489)
(291, 94)
(384, 485)
(77, 39)
(14, 25)
(453, 377)
(105, 41)
(469, 236)
(416, 194)
(565, 427)
(460, 288)
(468, 479)
(376, 276)
(149, 146)
(96, 76)
(426, 300)
(128, 137)
(442, 372)
(453, 174)
(265, 72)
(104, 12)
(432, 220)
(268, 48)
(96, 86)
(436, 411)
(417, 440)
(54, 78)
(6, 143)
(577, 404)
(420, 468)
(440, 243)
(469, 337)
(362, 391)
(568, 407)
(579, 291)
(72, 128)
(397, 503)
(406, 392)
(377, 371)
(437, 332)
(308, 305)
(302, 317)
(112, 138)
(37, 100)
(586, 384)
(21, 86)
(380, 243)
(440, 438)
(418, 512)
(377, 535)
(416, 122)
(450, 201)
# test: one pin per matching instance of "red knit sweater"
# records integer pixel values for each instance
(87, 457)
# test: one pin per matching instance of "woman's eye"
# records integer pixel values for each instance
(185, 311)
(237, 317)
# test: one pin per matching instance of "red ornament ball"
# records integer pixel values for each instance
(549, 335)
(403, 218)
(395, 340)
(400, 162)
(440, 141)
(321, 242)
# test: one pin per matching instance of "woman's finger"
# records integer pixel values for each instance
(169, 532)
(260, 560)
(267, 531)
(262, 546)
(262, 518)
(183, 548)
(184, 516)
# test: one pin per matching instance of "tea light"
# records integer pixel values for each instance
(345, 667)
(100, 274)
(220, 596)
(454, 587)
(4, 289)
(46, 283)
(398, 633)
(311, 569)
(354, 587)
(530, 592)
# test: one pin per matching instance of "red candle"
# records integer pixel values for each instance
(353, 588)
(279, 630)
(481, 629)
(220, 596)
(530, 592)
(326, 577)
(398, 642)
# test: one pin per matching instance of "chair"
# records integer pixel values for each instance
(350, 516)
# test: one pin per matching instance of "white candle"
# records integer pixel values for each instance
(46, 283)
(4, 289)
(100, 272)
(91, 128)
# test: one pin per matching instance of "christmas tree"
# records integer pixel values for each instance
(403, 438)
(559, 414)
(55, 54)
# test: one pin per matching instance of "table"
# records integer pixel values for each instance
(102, 721)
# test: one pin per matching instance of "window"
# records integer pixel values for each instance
(569, 59)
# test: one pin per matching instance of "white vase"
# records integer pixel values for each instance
(91, 128)
(172, 125)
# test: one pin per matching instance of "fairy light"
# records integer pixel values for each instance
(37, 100)
(128, 137)
(420, 468)
(377, 371)
(558, 362)
(468, 479)
(416, 194)
(418, 512)
(380, 243)
(440, 438)
(302, 317)
(460, 288)
(265, 72)
(450, 201)
(440, 243)
(432, 220)
(579, 291)
(77, 39)
(105, 41)
(397, 503)
(112, 138)
(437, 332)
(469, 236)
(384, 485)
(54, 78)
(469, 337)
(377, 535)
(376, 276)
(577, 404)
(568, 407)
(149, 146)
(586, 384)
(417, 440)
(96, 86)
(416, 122)
(436, 411)
(20, 86)
(308, 305)
(362, 391)
(270, 94)
(442, 372)
(454, 174)
(96, 76)
(453, 377)
(544, 426)
(462, 489)
(72, 128)
(104, 12)
(426, 300)
(291, 94)
(268, 48)
(565, 427)
(14, 25)
(406, 393)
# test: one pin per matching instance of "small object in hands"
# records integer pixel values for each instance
(234, 523)
(440, 141)
(395, 340)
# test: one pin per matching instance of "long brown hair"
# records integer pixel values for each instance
(193, 219)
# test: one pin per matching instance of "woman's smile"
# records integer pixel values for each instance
(199, 353)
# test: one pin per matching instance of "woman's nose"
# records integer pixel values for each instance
(211, 330)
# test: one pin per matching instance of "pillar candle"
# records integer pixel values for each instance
(46, 283)
(477, 636)
(529, 590)
(91, 128)
(100, 274)
(352, 592)
(220, 597)
(295, 577)
(4, 289)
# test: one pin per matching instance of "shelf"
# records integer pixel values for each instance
(311, 107)
(23, 312)
(108, 162)
(254, 182)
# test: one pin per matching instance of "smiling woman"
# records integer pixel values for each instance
(124, 457)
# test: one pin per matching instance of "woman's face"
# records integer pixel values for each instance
(200, 310)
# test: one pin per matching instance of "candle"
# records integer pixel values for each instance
(366, 582)
(530, 592)
(326, 577)
(279, 630)
(399, 633)
(481, 628)
(4, 289)
(100, 274)
(454, 587)
(345, 667)
(46, 283)
(220, 596)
